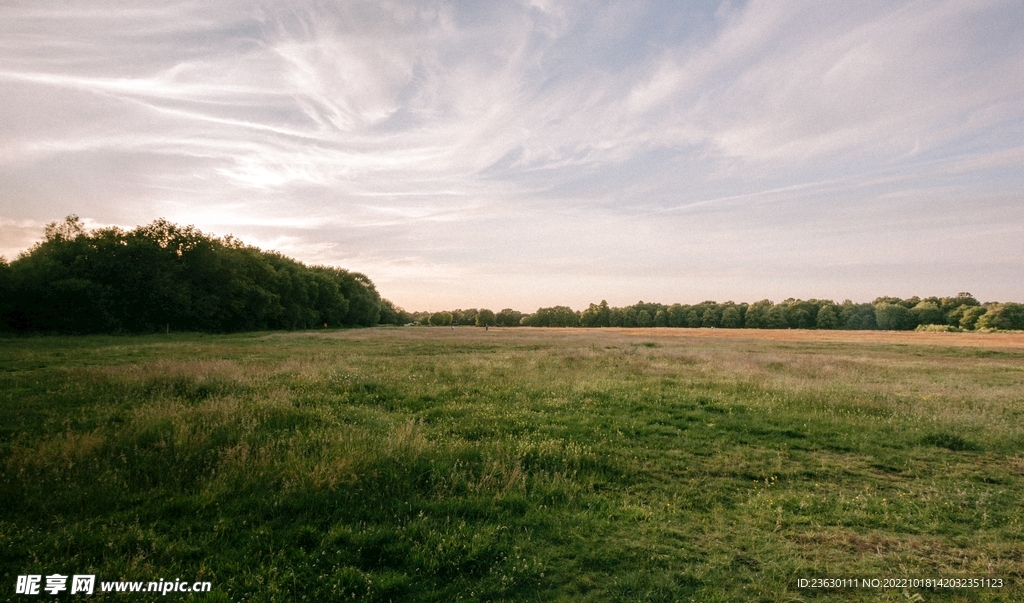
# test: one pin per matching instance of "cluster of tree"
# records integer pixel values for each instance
(164, 276)
(961, 312)
(471, 317)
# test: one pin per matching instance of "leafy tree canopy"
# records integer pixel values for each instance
(485, 318)
(961, 311)
(165, 276)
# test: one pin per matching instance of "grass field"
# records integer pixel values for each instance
(423, 464)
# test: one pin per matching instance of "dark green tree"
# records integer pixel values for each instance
(508, 318)
(6, 288)
(1003, 317)
(709, 316)
(596, 315)
(644, 319)
(557, 316)
(927, 313)
(827, 318)
(390, 314)
(485, 318)
(967, 316)
(616, 317)
(661, 318)
(629, 317)
(953, 308)
(676, 315)
(776, 317)
(857, 316)
(757, 315)
(731, 318)
(893, 317)
(441, 319)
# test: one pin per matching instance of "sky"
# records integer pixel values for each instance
(537, 153)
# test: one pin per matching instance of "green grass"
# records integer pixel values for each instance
(426, 464)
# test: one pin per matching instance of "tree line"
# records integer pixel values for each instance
(471, 317)
(164, 276)
(961, 313)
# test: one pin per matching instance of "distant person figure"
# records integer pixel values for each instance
(453, 326)
(325, 325)
(485, 327)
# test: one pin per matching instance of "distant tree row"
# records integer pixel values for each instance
(961, 312)
(471, 317)
(164, 276)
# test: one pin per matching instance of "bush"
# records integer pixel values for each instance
(937, 329)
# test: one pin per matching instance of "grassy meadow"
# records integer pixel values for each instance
(430, 464)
